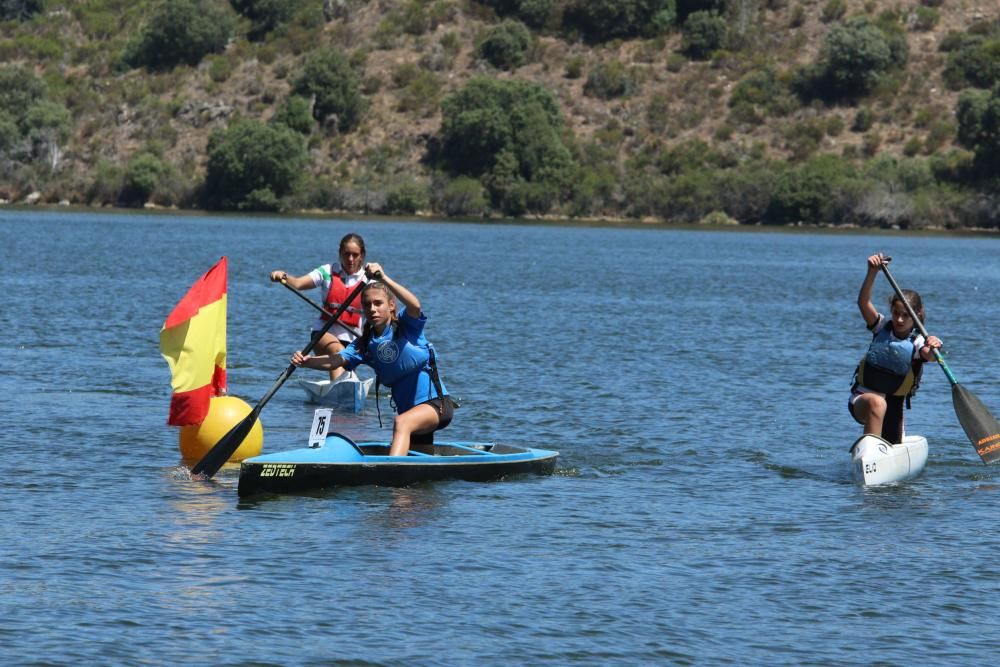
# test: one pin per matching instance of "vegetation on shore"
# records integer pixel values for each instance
(838, 112)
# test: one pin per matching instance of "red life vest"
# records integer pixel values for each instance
(338, 292)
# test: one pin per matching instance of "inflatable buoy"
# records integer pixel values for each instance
(224, 412)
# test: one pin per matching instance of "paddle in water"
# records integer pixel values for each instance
(980, 425)
(230, 442)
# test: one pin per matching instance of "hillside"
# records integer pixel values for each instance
(410, 56)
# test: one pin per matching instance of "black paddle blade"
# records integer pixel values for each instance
(224, 448)
(981, 426)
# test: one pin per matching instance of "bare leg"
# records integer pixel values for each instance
(328, 344)
(870, 408)
(418, 419)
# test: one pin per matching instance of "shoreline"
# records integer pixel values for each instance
(552, 221)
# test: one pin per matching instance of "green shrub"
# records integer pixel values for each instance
(534, 13)
(604, 20)
(179, 32)
(407, 198)
(107, 184)
(506, 45)
(574, 67)
(688, 156)
(461, 197)
(804, 137)
(833, 10)
(10, 134)
(899, 175)
(19, 89)
(140, 180)
(251, 165)
(592, 190)
(761, 93)
(925, 19)
(658, 115)
(609, 80)
(853, 58)
(46, 121)
(329, 77)
(871, 144)
(265, 15)
(422, 94)
(20, 10)
(296, 115)
(912, 146)
(39, 48)
(808, 193)
(978, 115)
(975, 62)
(939, 134)
(863, 120)
(219, 69)
(704, 32)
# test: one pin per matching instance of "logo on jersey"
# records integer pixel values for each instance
(387, 352)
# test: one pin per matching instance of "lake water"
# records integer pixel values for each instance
(695, 383)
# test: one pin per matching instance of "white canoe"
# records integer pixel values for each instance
(876, 461)
(349, 391)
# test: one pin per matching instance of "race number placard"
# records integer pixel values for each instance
(321, 425)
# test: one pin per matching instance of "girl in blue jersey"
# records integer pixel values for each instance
(335, 281)
(393, 344)
(888, 373)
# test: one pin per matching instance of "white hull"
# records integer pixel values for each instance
(875, 461)
(348, 391)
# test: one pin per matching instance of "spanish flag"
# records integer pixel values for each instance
(193, 341)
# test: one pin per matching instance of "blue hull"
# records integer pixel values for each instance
(342, 462)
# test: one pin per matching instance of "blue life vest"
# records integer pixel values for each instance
(889, 366)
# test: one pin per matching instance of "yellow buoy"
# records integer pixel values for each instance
(224, 412)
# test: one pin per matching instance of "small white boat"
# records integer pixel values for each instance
(349, 391)
(876, 461)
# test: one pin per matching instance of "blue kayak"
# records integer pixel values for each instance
(343, 462)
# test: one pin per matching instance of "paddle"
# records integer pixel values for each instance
(313, 303)
(980, 426)
(230, 442)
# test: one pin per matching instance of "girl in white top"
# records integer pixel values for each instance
(336, 282)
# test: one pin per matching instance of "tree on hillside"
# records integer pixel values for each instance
(506, 45)
(604, 20)
(534, 13)
(251, 166)
(508, 134)
(20, 10)
(704, 32)
(31, 126)
(180, 32)
(328, 76)
(266, 15)
(978, 114)
(19, 89)
(853, 58)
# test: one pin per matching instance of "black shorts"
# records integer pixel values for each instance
(446, 409)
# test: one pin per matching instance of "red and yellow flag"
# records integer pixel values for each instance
(193, 341)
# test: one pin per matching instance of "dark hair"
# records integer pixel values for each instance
(913, 298)
(352, 238)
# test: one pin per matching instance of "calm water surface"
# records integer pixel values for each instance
(695, 383)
